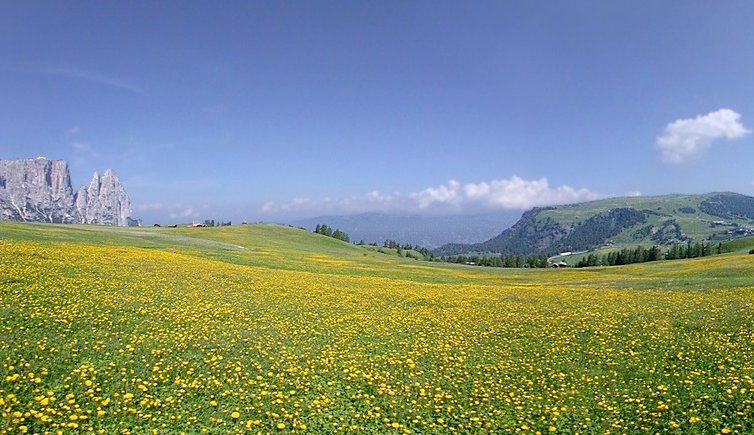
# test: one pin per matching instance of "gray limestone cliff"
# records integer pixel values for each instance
(40, 190)
(105, 201)
(36, 190)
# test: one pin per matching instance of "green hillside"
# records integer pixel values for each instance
(261, 245)
(623, 222)
(273, 329)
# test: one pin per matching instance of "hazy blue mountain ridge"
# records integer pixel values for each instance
(427, 231)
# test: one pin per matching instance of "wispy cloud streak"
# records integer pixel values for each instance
(77, 74)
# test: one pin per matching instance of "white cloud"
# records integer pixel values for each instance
(688, 139)
(295, 204)
(517, 193)
(514, 193)
(634, 193)
(74, 130)
(448, 194)
(377, 197)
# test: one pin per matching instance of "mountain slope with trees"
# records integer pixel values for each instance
(618, 223)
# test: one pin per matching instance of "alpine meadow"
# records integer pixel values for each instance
(267, 329)
(398, 217)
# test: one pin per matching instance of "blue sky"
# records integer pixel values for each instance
(273, 110)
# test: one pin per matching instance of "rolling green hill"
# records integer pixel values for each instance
(622, 222)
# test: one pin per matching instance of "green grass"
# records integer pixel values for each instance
(274, 329)
(744, 244)
(279, 247)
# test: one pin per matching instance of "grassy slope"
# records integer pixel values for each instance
(744, 244)
(284, 248)
(267, 246)
(290, 328)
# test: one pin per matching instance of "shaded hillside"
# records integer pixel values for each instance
(615, 222)
(729, 206)
(528, 235)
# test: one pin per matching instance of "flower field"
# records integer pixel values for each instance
(179, 336)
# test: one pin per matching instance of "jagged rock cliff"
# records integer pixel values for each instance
(104, 202)
(36, 190)
(40, 190)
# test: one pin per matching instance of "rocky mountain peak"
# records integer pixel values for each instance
(36, 190)
(106, 201)
(40, 190)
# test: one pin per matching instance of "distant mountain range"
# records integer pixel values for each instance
(427, 231)
(621, 222)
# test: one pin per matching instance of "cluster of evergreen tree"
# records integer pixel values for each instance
(392, 244)
(407, 247)
(532, 261)
(642, 254)
(688, 250)
(363, 243)
(429, 255)
(325, 230)
(212, 223)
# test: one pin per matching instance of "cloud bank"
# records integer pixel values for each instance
(514, 193)
(687, 139)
